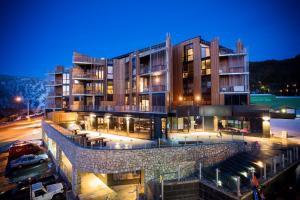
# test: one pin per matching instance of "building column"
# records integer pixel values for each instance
(58, 158)
(216, 123)
(157, 127)
(76, 181)
(266, 128)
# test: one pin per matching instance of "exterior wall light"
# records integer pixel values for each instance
(266, 118)
(283, 110)
(92, 115)
(157, 79)
(198, 98)
(180, 98)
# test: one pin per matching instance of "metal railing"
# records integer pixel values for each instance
(126, 108)
(86, 75)
(155, 68)
(121, 144)
(237, 69)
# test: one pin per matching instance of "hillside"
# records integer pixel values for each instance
(32, 89)
(275, 75)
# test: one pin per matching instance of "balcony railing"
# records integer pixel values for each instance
(86, 75)
(54, 82)
(144, 89)
(78, 58)
(82, 91)
(144, 69)
(52, 94)
(158, 68)
(232, 70)
(126, 108)
(237, 88)
(54, 106)
(158, 88)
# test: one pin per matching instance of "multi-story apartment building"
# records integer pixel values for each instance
(58, 89)
(194, 85)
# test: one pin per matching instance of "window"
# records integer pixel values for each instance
(66, 89)
(188, 53)
(236, 99)
(99, 87)
(99, 73)
(110, 88)
(205, 52)
(39, 193)
(109, 72)
(66, 78)
(205, 67)
(133, 66)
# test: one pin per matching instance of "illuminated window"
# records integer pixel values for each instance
(110, 89)
(205, 52)
(66, 78)
(65, 90)
(206, 67)
(99, 87)
(188, 53)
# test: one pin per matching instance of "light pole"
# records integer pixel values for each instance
(19, 99)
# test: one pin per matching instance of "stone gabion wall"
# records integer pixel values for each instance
(153, 161)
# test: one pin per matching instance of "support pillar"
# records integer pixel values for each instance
(200, 171)
(76, 181)
(265, 170)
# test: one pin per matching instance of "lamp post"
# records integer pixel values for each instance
(19, 99)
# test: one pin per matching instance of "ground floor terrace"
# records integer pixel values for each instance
(126, 173)
(237, 120)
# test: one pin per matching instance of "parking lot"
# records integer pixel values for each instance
(21, 168)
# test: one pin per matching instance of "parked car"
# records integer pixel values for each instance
(28, 160)
(54, 191)
(21, 148)
(19, 193)
(45, 179)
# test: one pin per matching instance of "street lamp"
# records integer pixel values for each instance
(19, 99)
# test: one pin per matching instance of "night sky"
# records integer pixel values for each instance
(37, 35)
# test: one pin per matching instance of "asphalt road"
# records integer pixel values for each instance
(21, 130)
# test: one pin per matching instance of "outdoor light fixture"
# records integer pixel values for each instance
(18, 99)
(260, 164)
(92, 115)
(180, 98)
(198, 98)
(283, 110)
(266, 118)
(157, 79)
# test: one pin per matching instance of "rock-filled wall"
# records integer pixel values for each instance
(152, 162)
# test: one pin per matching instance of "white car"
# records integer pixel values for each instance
(54, 191)
(28, 160)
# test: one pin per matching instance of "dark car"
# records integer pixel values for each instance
(19, 149)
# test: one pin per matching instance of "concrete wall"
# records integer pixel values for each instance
(153, 161)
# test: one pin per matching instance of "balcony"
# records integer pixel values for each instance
(156, 68)
(81, 91)
(240, 70)
(58, 70)
(143, 90)
(144, 69)
(158, 88)
(54, 83)
(86, 76)
(53, 106)
(234, 89)
(55, 94)
(83, 59)
(126, 108)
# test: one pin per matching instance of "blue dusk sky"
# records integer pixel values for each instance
(37, 35)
